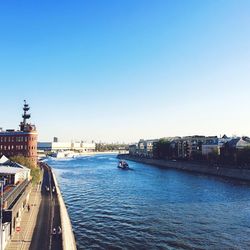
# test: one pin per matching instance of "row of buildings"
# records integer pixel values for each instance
(190, 147)
(54, 146)
(24, 142)
(15, 179)
(15, 191)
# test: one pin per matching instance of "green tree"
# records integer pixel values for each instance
(35, 171)
(25, 161)
(162, 149)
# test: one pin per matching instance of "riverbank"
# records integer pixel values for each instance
(234, 173)
(73, 154)
(99, 153)
(68, 238)
(106, 206)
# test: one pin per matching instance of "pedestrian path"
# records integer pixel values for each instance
(21, 240)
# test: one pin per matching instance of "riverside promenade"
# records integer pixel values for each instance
(52, 216)
(22, 240)
(47, 212)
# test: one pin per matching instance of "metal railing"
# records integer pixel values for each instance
(10, 197)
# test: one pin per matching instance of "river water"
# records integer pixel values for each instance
(150, 207)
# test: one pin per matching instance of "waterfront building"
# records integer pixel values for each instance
(213, 146)
(83, 146)
(210, 147)
(196, 147)
(54, 146)
(21, 142)
(224, 139)
(16, 187)
(145, 148)
(179, 148)
(243, 142)
(65, 146)
(188, 147)
(141, 147)
(236, 150)
(133, 149)
(13, 173)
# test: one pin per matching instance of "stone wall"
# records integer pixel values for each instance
(229, 172)
(68, 238)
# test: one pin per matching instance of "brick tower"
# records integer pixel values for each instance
(21, 142)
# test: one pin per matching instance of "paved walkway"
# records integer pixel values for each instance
(22, 240)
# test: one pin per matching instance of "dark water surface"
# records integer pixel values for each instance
(151, 208)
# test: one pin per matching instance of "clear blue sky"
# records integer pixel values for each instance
(123, 70)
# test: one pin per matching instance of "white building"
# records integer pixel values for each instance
(243, 143)
(53, 146)
(63, 146)
(211, 147)
(83, 146)
(12, 172)
(214, 145)
(17, 188)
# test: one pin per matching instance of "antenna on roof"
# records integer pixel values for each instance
(25, 116)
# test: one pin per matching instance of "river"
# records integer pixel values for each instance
(151, 208)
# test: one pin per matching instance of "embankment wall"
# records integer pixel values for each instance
(68, 238)
(228, 172)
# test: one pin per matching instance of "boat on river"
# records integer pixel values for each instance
(64, 154)
(123, 165)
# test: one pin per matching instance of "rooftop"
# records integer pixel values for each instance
(10, 167)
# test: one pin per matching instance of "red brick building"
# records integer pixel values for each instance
(21, 142)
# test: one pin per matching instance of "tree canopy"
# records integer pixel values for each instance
(26, 162)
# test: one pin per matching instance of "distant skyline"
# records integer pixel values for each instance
(124, 70)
